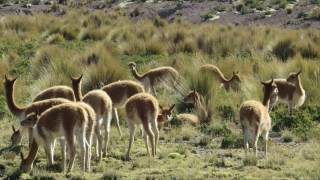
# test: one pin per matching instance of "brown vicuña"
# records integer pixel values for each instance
(255, 119)
(55, 92)
(101, 103)
(119, 93)
(164, 75)
(201, 109)
(143, 108)
(291, 92)
(22, 111)
(228, 84)
(164, 115)
(65, 120)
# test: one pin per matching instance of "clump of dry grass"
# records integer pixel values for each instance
(101, 68)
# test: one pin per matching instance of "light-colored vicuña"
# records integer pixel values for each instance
(188, 118)
(100, 101)
(164, 75)
(291, 92)
(22, 111)
(55, 92)
(201, 108)
(143, 109)
(15, 137)
(65, 120)
(119, 93)
(255, 118)
(232, 83)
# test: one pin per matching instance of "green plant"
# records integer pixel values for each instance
(315, 13)
(250, 160)
(284, 49)
(215, 130)
(300, 122)
(309, 51)
(232, 141)
(226, 112)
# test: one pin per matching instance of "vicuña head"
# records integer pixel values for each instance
(15, 137)
(76, 86)
(192, 97)
(165, 115)
(294, 77)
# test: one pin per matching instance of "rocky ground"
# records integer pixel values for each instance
(294, 15)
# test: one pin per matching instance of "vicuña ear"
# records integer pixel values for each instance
(263, 83)
(160, 107)
(13, 129)
(171, 108)
(299, 72)
(21, 156)
(5, 77)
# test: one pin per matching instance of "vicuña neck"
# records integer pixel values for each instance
(32, 152)
(299, 85)
(266, 100)
(77, 91)
(136, 74)
(13, 107)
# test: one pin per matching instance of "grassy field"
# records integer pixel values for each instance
(44, 50)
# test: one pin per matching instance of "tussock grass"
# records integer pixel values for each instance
(46, 50)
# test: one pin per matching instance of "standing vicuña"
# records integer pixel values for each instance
(291, 92)
(255, 118)
(164, 75)
(55, 92)
(119, 92)
(100, 101)
(143, 109)
(65, 120)
(232, 83)
(22, 112)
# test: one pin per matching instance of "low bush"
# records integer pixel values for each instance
(300, 122)
(215, 130)
(226, 112)
(284, 49)
(250, 160)
(232, 141)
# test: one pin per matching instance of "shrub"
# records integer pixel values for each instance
(232, 141)
(35, 2)
(289, 10)
(69, 33)
(309, 51)
(102, 69)
(204, 141)
(215, 130)
(300, 122)
(92, 34)
(250, 160)
(284, 49)
(315, 13)
(226, 112)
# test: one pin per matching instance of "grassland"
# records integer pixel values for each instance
(44, 50)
